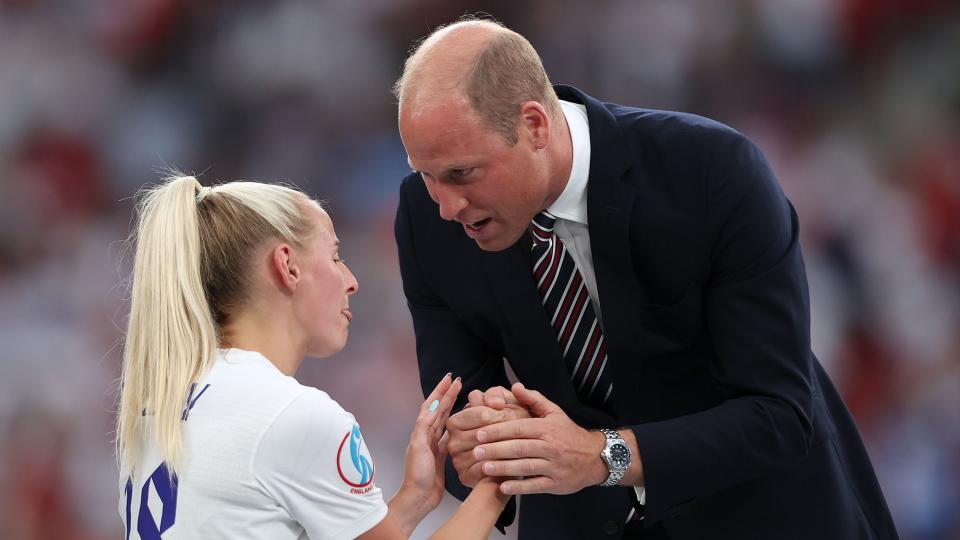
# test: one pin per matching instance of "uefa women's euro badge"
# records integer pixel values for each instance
(355, 465)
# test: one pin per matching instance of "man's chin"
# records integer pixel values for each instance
(499, 242)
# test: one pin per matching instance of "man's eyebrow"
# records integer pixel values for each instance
(444, 171)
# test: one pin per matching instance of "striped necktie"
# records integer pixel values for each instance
(567, 302)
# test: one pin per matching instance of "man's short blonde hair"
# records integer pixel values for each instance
(504, 74)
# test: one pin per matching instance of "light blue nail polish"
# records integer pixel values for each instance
(434, 405)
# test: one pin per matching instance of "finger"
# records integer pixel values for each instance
(442, 452)
(516, 449)
(511, 399)
(516, 467)
(525, 428)
(476, 417)
(495, 398)
(537, 484)
(498, 392)
(464, 462)
(475, 398)
(461, 442)
(431, 410)
(421, 429)
(538, 404)
(446, 405)
(420, 437)
(442, 445)
(436, 394)
(470, 475)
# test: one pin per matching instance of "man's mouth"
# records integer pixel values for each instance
(476, 228)
(477, 225)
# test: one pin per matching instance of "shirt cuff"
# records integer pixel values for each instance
(641, 494)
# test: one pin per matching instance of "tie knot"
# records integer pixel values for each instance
(543, 226)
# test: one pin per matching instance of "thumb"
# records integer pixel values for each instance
(442, 452)
(536, 402)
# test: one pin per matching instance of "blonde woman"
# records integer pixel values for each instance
(233, 286)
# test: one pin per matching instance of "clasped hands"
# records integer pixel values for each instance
(525, 441)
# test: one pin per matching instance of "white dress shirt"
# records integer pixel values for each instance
(570, 208)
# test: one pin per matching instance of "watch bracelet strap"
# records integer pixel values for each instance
(614, 475)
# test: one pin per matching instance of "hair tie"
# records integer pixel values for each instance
(203, 192)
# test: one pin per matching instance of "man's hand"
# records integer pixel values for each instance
(555, 454)
(495, 405)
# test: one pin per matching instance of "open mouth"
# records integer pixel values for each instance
(477, 225)
(475, 230)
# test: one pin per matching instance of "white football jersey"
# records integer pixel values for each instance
(264, 457)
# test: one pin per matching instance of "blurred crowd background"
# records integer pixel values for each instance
(856, 103)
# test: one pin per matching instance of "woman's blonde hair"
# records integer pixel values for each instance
(191, 270)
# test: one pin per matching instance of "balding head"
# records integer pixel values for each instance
(441, 62)
(482, 63)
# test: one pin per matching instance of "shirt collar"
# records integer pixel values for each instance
(572, 202)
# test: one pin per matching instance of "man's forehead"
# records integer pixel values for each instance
(433, 104)
(436, 136)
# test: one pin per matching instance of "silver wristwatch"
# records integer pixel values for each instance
(616, 454)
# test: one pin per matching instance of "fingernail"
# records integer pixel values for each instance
(457, 379)
(479, 452)
(506, 488)
(434, 405)
(449, 373)
(481, 435)
(488, 468)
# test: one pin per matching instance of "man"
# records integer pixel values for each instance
(642, 270)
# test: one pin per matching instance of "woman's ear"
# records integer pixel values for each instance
(286, 267)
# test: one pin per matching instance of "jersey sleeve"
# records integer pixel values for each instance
(314, 462)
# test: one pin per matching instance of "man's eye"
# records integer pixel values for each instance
(461, 173)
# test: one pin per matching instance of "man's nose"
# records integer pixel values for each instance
(451, 202)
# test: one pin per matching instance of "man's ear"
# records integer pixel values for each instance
(286, 267)
(535, 123)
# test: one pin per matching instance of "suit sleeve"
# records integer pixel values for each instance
(757, 315)
(444, 344)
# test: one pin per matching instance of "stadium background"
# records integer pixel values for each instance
(856, 103)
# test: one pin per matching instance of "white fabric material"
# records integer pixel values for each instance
(264, 457)
(570, 208)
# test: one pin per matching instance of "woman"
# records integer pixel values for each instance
(232, 286)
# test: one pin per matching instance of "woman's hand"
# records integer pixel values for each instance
(423, 485)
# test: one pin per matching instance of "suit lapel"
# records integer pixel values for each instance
(610, 203)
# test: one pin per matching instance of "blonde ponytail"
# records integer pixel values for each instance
(194, 245)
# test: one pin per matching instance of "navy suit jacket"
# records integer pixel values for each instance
(707, 324)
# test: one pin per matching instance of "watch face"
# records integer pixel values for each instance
(619, 456)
